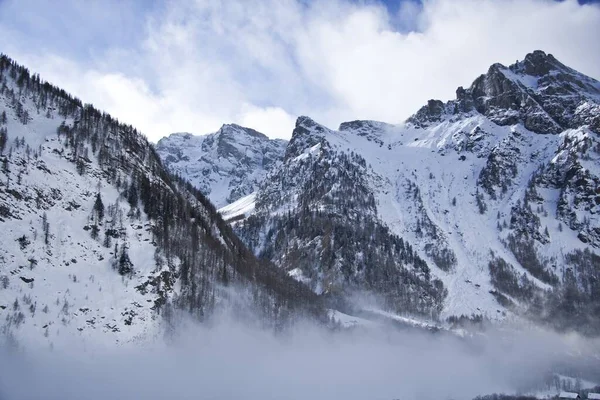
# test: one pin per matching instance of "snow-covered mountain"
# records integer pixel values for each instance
(487, 204)
(99, 243)
(225, 165)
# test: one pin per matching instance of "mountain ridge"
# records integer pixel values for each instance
(496, 190)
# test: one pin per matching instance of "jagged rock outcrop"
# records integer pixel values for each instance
(539, 92)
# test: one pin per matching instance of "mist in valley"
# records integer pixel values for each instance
(228, 360)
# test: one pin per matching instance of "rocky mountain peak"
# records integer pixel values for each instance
(233, 130)
(432, 112)
(362, 126)
(539, 63)
(224, 165)
(184, 135)
(539, 92)
(307, 133)
(180, 136)
(305, 121)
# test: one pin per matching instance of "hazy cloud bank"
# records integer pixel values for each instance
(192, 66)
(231, 361)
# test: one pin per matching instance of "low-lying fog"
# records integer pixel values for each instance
(231, 361)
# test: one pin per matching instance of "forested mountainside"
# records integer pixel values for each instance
(225, 165)
(484, 205)
(99, 241)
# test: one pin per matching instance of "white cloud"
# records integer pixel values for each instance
(261, 63)
(272, 121)
(375, 72)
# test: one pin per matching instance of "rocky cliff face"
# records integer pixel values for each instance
(225, 165)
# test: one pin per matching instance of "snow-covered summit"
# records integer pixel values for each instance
(225, 165)
(307, 133)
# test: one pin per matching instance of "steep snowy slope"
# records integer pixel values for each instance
(99, 242)
(225, 165)
(497, 191)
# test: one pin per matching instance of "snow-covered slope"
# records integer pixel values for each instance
(99, 244)
(239, 209)
(57, 280)
(225, 165)
(57, 284)
(498, 192)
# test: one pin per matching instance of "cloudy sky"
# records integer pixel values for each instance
(171, 66)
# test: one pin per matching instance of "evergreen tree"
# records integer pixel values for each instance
(99, 208)
(480, 202)
(125, 266)
(80, 165)
(3, 140)
(94, 232)
(46, 228)
(132, 195)
(107, 240)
